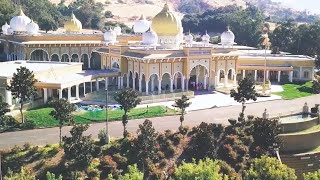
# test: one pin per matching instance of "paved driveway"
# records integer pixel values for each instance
(193, 118)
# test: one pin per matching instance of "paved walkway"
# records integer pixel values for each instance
(193, 118)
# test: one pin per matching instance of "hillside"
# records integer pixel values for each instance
(127, 11)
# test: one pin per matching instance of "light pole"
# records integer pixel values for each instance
(107, 123)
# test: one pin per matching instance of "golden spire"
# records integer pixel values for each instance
(21, 12)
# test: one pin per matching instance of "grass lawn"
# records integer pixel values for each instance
(41, 117)
(295, 90)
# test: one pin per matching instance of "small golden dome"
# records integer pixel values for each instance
(73, 24)
(165, 23)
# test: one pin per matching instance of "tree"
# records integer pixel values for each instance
(22, 87)
(316, 85)
(206, 169)
(284, 35)
(78, 148)
(182, 104)
(245, 92)
(312, 175)
(128, 99)
(7, 10)
(62, 112)
(147, 145)
(269, 168)
(51, 176)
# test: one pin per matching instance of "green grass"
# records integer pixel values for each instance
(41, 117)
(295, 90)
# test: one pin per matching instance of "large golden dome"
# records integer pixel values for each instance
(73, 24)
(165, 23)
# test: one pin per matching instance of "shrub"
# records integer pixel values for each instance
(169, 151)
(316, 85)
(312, 175)
(8, 121)
(177, 138)
(27, 146)
(184, 130)
(121, 160)
(24, 174)
(51, 176)
(205, 169)
(133, 174)
(168, 133)
(269, 168)
(161, 155)
(108, 162)
(28, 125)
(163, 163)
(16, 149)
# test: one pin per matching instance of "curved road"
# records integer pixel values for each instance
(193, 118)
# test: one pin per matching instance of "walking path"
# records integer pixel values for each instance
(193, 118)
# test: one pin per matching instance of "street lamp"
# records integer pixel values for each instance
(107, 123)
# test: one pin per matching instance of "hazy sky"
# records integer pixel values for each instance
(310, 5)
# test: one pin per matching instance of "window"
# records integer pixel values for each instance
(295, 74)
(306, 75)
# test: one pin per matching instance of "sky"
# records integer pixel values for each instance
(310, 5)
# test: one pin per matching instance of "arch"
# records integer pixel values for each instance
(124, 79)
(75, 58)
(85, 61)
(115, 65)
(95, 61)
(39, 55)
(143, 82)
(177, 78)
(136, 80)
(221, 76)
(165, 81)
(231, 74)
(130, 79)
(153, 82)
(198, 77)
(55, 57)
(65, 58)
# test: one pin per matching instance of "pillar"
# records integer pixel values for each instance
(128, 81)
(69, 94)
(97, 85)
(255, 75)
(159, 87)
(182, 83)
(45, 95)
(205, 82)
(300, 72)
(140, 84)
(147, 87)
(152, 84)
(279, 75)
(84, 88)
(106, 82)
(176, 81)
(225, 80)
(60, 93)
(91, 86)
(171, 85)
(197, 81)
(89, 62)
(133, 83)
(187, 84)
(290, 76)
(234, 78)
(243, 74)
(119, 82)
(77, 92)
(267, 75)
(8, 97)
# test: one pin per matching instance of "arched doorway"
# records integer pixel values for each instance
(124, 79)
(153, 83)
(136, 81)
(165, 82)
(177, 81)
(198, 78)
(231, 76)
(39, 55)
(85, 61)
(130, 80)
(221, 76)
(74, 58)
(95, 61)
(143, 83)
(65, 58)
(55, 58)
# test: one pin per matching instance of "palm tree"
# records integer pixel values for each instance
(182, 104)
(128, 99)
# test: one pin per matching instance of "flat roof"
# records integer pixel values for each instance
(10, 67)
(276, 57)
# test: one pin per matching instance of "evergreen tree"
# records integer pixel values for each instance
(182, 104)
(22, 87)
(128, 99)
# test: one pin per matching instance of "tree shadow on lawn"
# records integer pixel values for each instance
(305, 89)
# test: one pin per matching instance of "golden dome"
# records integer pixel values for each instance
(73, 24)
(165, 23)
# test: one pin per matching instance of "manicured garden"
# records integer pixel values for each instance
(42, 118)
(295, 90)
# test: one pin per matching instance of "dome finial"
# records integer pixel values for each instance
(165, 7)
(141, 17)
(21, 12)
